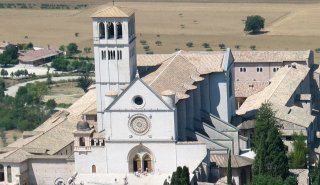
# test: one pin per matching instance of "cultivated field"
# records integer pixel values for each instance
(66, 93)
(289, 26)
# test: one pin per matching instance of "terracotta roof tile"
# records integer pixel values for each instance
(270, 56)
(113, 11)
(38, 54)
(248, 88)
(283, 85)
(236, 161)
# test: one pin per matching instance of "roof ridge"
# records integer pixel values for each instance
(235, 158)
(43, 132)
(279, 82)
(159, 74)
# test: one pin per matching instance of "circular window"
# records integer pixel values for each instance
(139, 124)
(138, 101)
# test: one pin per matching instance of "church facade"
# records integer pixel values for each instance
(177, 115)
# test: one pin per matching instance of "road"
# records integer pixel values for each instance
(11, 91)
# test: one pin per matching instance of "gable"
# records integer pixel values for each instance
(138, 97)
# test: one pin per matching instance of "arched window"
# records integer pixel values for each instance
(92, 142)
(82, 142)
(93, 169)
(119, 30)
(110, 27)
(102, 31)
(1, 173)
(9, 175)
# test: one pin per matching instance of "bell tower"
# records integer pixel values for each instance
(114, 52)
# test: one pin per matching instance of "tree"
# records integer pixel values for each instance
(62, 48)
(267, 180)
(4, 73)
(254, 23)
(180, 176)
(60, 64)
(206, 45)
(37, 90)
(297, 158)
(189, 44)
(30, 45)
(85, 81)
(173, 178)
(9, 56)
(158, 43)
(72, 48)
(185, 175)
(315, 175)
(146, 47)
(2, 87)
(222, 46)
(229, 170)
(51, 104)
(87, 50)
(253, 47)
(271, 158)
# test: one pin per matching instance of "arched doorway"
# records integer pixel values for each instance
(93, 169)
(147, 161)
(140, 159)
(136, 163)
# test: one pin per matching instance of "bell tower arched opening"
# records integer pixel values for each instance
(119, 30)
(110, 28)
(102, 31)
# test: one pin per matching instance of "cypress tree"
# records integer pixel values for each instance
(315, 175)
(297, 158)
(271, 158)
(174, 179)
(180, 176)
(229, 170)
(185, 175)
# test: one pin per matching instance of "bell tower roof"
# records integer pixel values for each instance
(113, 11)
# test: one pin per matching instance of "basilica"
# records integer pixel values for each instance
(146, 115)
(173, 112)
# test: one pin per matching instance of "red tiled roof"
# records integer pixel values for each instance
(38, 54)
